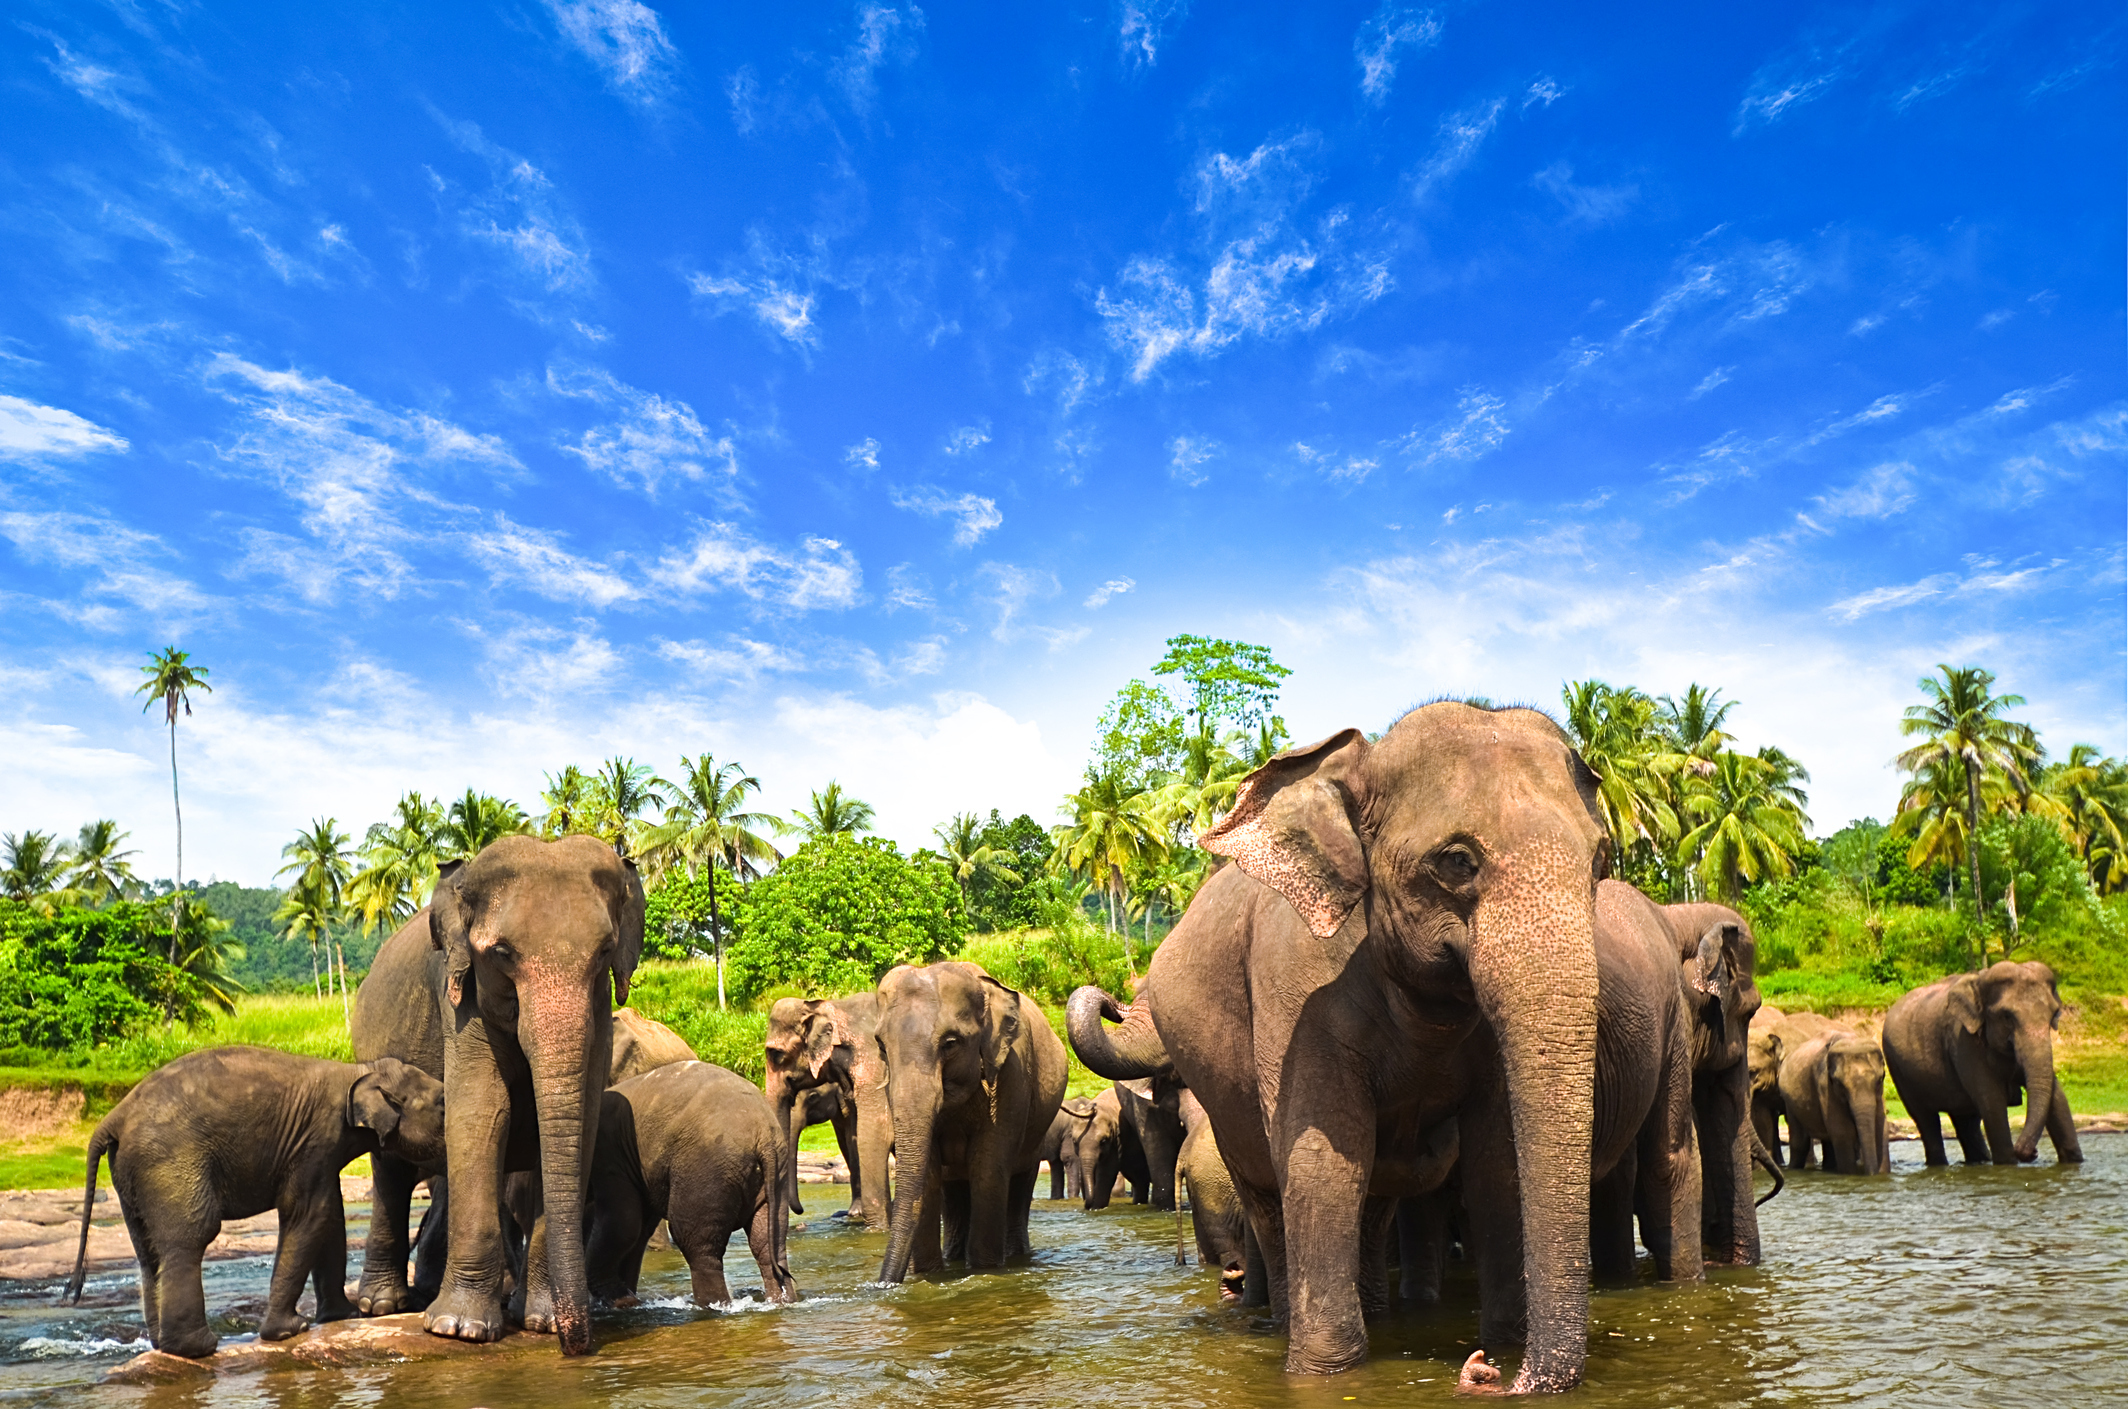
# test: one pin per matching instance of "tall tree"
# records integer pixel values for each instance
(1963, 729)
(171, 678)
(623, 790)
(1615, 730)
(706, 825)
(1230, 681)
(831, 813)
(399, 858)
(100, 872)
(960, 842)
(1692, 724)
(320, 859)
(1112, 832)
(570, 804)
(1747, 828)
(2090, 794)
(475, 820)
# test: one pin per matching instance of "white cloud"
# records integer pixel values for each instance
(1878, 494)
(739, 658)
(1072, 378)
(864, 455)
(1142, 26)
(30, 431)
(974, 515)
(541, 663)
(1114, 587)
(1013, 588)
(1882, 409)
(1352, 468)
(822, 575)
(907, 587)
(1380, 37)
(522, 218)
(1709, 382)
(1584, 204)
(1544, 91)
(536, 561)
(1462, 134)
(1471, 432)
(1187, 456)
(786, 312)
(967, 438)
(624, 39)
(118, 563)
(885, 34)
(651, 441)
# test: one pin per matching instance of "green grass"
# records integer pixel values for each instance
(1817, 991)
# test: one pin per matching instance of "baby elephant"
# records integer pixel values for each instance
(1833, 1089)
(1215, 1211)
(702, 1148)
(230, 1133)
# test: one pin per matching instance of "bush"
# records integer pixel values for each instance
(676, 916)
(684, 998)
(841, 912)
(1047, 964)
(83, 978)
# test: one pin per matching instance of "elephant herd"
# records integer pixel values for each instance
(1413, 1013)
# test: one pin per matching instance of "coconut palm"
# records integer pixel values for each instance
(831, 813)
(1112, 833)
(2090, 796)
(171, 678)
(399, 860)
(622, 791)
(36, 868)
(473, 821)
(320, 859)
(960, 843)
(100, 871)
(706, 826)
(204, 954)
(1963, 728)
(307, 914)
(570, 803)
(1616, 733)
(1692, 726)
(1746, 828)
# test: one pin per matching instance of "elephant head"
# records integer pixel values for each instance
(946, 1032)
(1850, 1081)
(1720, 967)
(809, 1045)
(542, 938)
(1467, 845)
(403, 1105)
(2014, 1009)
(1099, 1141)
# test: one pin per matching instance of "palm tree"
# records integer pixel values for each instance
(571, 806)
(960, 842)
(100, 871)
(204, 955)
(320, 860)
(36, 868)
(171, 678)
(831, 813)
(1963, 728)
(2090, 795)
(705, 826)
(1113, 831)
(306, 913)
(1787, 775)
(620, 793)
(1748, 827)
(1692, 726)
(1616, 733)
(399, 860)
(477, 819)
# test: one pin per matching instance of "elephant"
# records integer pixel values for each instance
(1774, 1034)
(701, 1147)
(1963, 1045)
(1215, 1214)
(230, 1132)
(1060, 1147)
(504, 988)
(641, 1044)
(1407, 937)
(832, 1045)
(1833, 1089)
(974, 1078)
(1150, 1110)
(1718, 956)
(1108, 1149)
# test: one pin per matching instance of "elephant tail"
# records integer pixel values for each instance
(103, 1140)
(1763, 1158)
(1182, 1215)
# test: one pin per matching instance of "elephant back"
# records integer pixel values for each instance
(398, 1010)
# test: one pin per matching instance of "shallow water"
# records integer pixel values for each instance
(1932, 1287)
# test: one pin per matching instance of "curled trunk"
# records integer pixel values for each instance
(2035, 1059)
(915, 1115)
(1128, 1051)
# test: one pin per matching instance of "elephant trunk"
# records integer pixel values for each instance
(784, 1098)
(566, 1096)
(1865, 1103)
(2035, 1059)
(1533, 968)
(1132, 1050)
(916, 1110)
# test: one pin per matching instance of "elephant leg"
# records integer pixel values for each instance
(1019, 1204)
(151, 1264)
(292, 1266)
(432, 1242)
(845, 1124)
(954, 1213)
(383, 1289)
(615, 1236)
(1327, 1166)
(469, 1307)
(875, 1141)
(1264, 1244)
(1670, 1194)
(1056, 1178)
(926, 1255)
(762, 1241)
(1972, 1144)
(1929, 1125)
(184, 1302)
(1422, 1246)
(1729, 1218)
(1377, 1223)
(705, 1268)
(1612, 1255)
(2061, 1129)
(533, 1306)
(1995, 1120)
(988, 1215)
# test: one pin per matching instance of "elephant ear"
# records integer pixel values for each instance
(628, 922)
(825, 1031)
(1295, 827)
(1001, 1025)
(449, 931)
(1713, 971)
(1963, 1003)
(370, 1103)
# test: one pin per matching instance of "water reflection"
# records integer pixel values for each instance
(1935, 1287)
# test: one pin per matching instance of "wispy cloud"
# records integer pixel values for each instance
(124, 585)
(885, 34)
(1982, 575)
(1071, 380)
(535, 560)
(738, 658)
(967, 438)
(626, 42)
(536, 661)
(1187, 457)
(863, 456)
(1462, 134)
(30, 431)
(1878, 494)
(1114, 587)
(1543, 91)
(786, 312)
(1586, 204)
(1381, 36)
(1335, 464)
(906, 587)
(543, 249)
(973, 514)
(1142, 26)
(1472, 431)
(650, 441)
(1709, 382)
(1012, 589)
(821, 575)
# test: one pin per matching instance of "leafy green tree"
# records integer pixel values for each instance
(1747, 829)
(100, 871)
(1966, 741)
(1692, 724)
(706, 826)
(36, 868)
(684, 918)
(323, 867)
(961, 846)
(80, 978)
(1012, 896)
(1112, 832)
(840, 912)
(621, 792)
(171, 679)
(571, 804)
(1855, 854)
(1616, 731)
(831, 813)
(2029, 863)
(399, 861)
(474, 821)
(2090, 795)
(1140, 734)
(1230, 681)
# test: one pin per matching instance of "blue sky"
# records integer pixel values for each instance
(866, 392)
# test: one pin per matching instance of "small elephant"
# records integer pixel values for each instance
(1833, 1088)
(1215, 1214)
(1060, 1147)
(231, 1132)
(1108, 1150)
(1150, 1108)
(1719, 958)
(1963, 1046)
(702, 1148)
(643, 1044)
(1774, 1034)
(824, 1065)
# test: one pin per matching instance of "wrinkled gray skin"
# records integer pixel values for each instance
(230, 1133)
(824, 1065)
(974, 1078)
(1832, 1087)
(1060, 1147)
(1150, 1108)
(504, 988)
(1774, 1034)
(1108, 1151)
(1718, 967)
(1215, 1214)
(1407, 938)
(643, 1044)
(1964, 1045)
(701, 1147)
(1646, 1157)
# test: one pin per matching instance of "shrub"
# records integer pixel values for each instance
(841, 912)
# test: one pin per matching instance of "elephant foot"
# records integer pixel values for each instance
(281, 1325)
(1479, 1377)
(193, 1345)
(538, 1313)
(339, 1310)
(388, 1299)
(464, 1315)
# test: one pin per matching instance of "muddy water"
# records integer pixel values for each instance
(1932, 1287)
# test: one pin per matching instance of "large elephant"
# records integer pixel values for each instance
(1832, 1087)
(504, 989)
(1719, 963)
(1407, 938)
(1963, 1045)
(974, 1079)
(1150, 1108)
(817, 1045)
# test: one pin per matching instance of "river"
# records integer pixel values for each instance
(1983, 1287)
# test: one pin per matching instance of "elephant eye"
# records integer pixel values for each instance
(1456, 865)
(949, 1040)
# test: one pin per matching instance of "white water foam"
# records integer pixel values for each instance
(71, 1347)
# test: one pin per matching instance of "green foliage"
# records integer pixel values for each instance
(841, 912)
(677, 918)
(999, 902)
(1048, 963)
(1229, 680)
(1140, 734)
(83, 978)
(683, 996)
(2031, 854)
